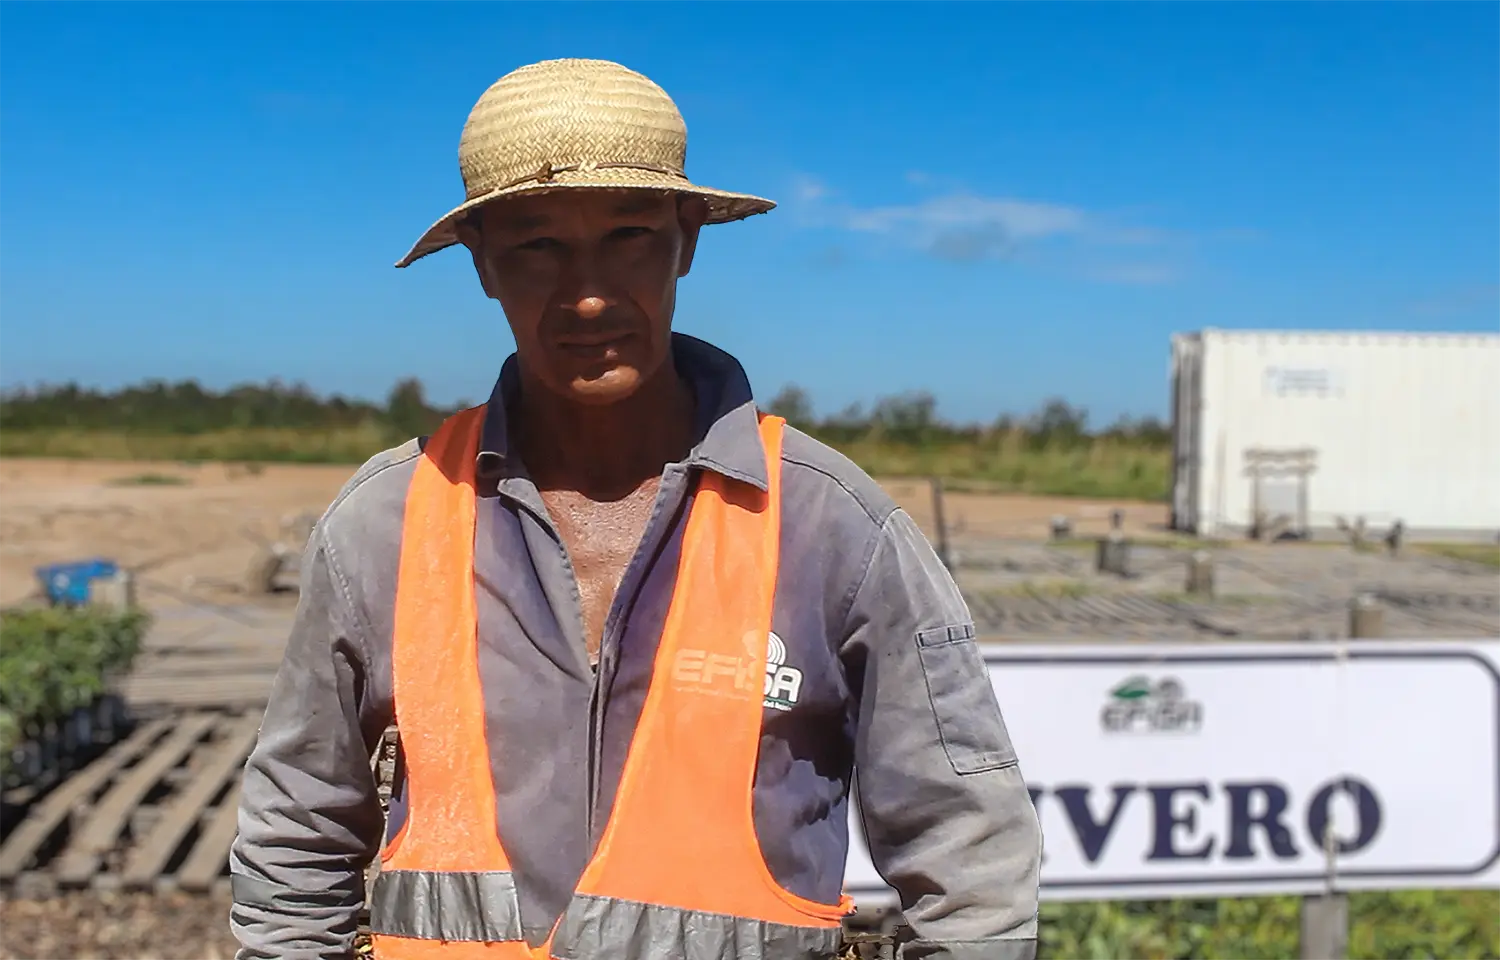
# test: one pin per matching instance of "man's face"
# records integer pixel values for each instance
(588, 281)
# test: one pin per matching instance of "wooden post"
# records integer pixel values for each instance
(1304, 515)
(1257, 518)
(1062, 527)
(1200, 573)
(1325, 926)
(1366, 617)
(1395, 538)
(1113, 555)
(938, 524)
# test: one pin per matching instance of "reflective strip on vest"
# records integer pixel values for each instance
(445, 905)
(678, 873)
(601, 928)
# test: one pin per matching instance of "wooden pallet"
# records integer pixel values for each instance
(156, 811)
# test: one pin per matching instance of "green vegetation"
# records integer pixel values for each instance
(351, 445)
(1051, 452)
(150, 480)
(1011, 462)
(1451, 925)
(54, 661)
(1485, 553)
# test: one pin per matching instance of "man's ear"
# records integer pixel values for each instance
(692, 213)
(469, 235)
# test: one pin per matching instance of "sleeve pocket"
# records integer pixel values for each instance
(963, 702)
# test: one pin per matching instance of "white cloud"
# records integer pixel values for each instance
(809, 189)
(962, 226)
(963, 213)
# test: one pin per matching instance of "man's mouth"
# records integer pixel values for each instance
(591, 341)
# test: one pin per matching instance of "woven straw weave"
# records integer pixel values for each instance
(571, 124)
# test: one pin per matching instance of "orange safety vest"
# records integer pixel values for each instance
(678, 871)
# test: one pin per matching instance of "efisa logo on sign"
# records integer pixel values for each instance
(1136, 705)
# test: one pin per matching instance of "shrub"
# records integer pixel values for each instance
(1440, 924)
(55, 661)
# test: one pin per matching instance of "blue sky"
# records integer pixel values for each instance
(997, 203)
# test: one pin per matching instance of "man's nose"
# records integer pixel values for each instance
(590, 307)
(582, 288)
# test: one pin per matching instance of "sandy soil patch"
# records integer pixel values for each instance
(204, 522)
(197, 528)
(1022, 517)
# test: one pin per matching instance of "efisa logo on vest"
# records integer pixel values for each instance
(1136, 705)
(723, 675)
(783, 683)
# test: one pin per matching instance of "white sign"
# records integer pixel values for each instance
(1172, 770)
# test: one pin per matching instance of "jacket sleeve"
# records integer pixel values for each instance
(949, 823)
(309, 817)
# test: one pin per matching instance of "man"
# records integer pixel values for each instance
(635, 635)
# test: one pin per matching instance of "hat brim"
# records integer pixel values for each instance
(723, 206)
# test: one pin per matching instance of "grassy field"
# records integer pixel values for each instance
(1000, 463)
(1485, 553)
(352, 445)
(1007, 464)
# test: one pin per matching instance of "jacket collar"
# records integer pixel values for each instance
(726, 435)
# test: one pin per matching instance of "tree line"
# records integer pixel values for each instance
(186, 407)
(912, 419)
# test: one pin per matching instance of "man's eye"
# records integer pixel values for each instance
(630, 233)
(540, 243)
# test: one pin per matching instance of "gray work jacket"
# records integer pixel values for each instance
(891, 685)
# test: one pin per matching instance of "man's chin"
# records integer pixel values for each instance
(605, 387)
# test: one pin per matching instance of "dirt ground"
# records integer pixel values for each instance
(117, 926)
(196, 534)
(194, 530)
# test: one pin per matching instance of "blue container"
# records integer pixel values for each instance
(67, 584)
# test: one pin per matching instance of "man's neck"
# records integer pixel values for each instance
(604, 452)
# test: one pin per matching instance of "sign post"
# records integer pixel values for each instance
(1325, 918)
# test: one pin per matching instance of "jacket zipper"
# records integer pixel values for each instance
(674, 488)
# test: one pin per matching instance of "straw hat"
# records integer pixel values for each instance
(568, 124)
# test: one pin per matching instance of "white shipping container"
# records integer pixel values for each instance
(1390, 426)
